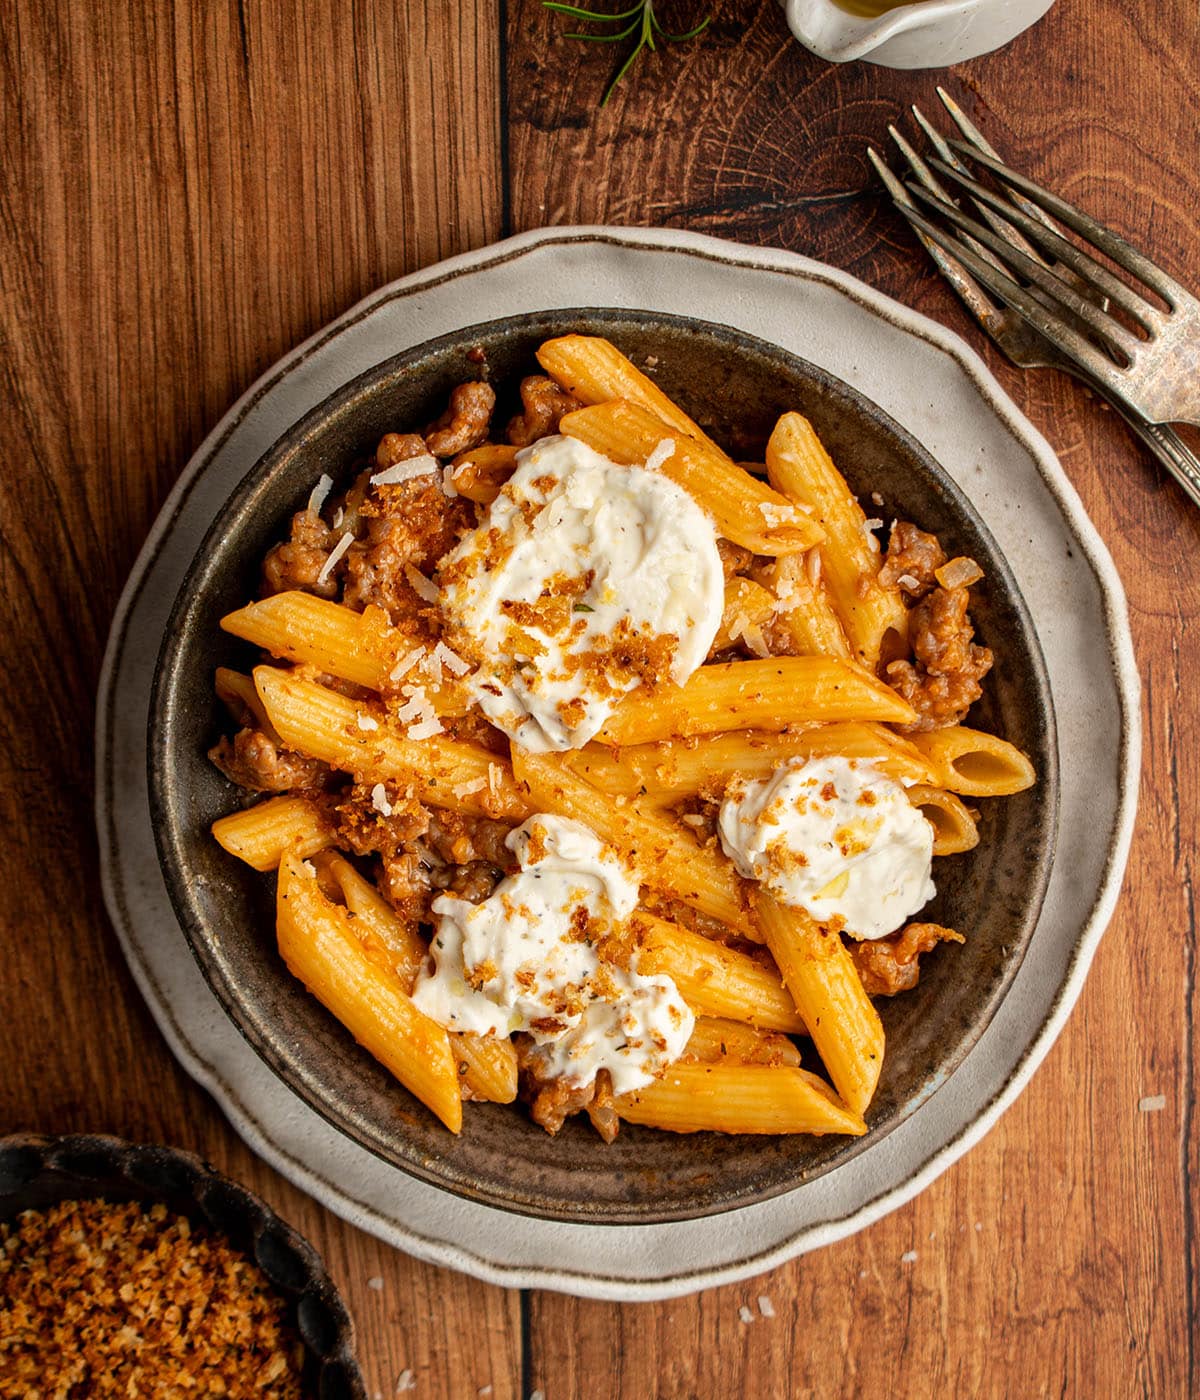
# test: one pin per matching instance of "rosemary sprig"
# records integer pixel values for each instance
(643, 27)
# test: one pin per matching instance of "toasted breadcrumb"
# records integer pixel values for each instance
(99, 1300)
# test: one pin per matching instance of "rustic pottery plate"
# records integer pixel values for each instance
(931, 384)
(38, 1171)
(737, 386)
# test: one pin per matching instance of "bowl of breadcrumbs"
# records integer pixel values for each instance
(131, 1270)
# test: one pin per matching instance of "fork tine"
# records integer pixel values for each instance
(1040, 275)
(1109, 243)
(971, 293)
(942, 147)
(1062, 250)
(1005, 289)
(976, 138)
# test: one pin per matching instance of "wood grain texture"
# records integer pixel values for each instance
(189, 191)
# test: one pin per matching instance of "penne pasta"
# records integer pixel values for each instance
(764, 695)
(479, 473)
(954, 827)
(674, 769)
(715, 1039)
(715, 980)
(800, 468)
(662, 854)
(236, 692)
(828, 992)
(749, 607)
(975, 764)
(595, 371)
(297, 626)
(405, 946)
(261, 835)
(320, 948)
(731, 1098)
(487, 1066)
(363, 648)
(803, 607)
(744, 509)
(441, 771)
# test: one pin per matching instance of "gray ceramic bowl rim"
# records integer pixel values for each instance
(37, 1170)
(165, 815)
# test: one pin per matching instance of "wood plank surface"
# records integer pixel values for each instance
(191, 190)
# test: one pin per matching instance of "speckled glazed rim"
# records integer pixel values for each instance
(1024, 498)
(38, 1171)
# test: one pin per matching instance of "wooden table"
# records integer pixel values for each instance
(191, 190)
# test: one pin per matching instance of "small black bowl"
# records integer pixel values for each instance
(735, 386)
(37, 1171)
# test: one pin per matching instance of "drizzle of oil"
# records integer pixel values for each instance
(872, 8)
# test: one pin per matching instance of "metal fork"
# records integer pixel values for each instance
(1062, 312)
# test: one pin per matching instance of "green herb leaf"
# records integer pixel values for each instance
(643, 23)
(583, 607)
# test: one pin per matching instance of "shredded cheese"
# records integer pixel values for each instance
(405, 664)
(426, 729)
(366, 722)
(320, 493)
(423, 587)
(450, 660)
(334, 555)
(379, 800)
(662, 453)
(406, 471)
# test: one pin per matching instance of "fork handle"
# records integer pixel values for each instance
(1171, 450)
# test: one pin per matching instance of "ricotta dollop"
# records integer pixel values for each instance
(524, 960)
(836, 837)
(585, 580)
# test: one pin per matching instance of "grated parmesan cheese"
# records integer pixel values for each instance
(450, 660)
(493, 779)
(334, 555)
(907, 581)
(406, 471)
(448, 488)
(426, 729)
(777, 515)
(405, 664)
(366, 722)
(466, 789)
(662, 453)
(765, 1306)
(752, 635)
(416, 704)
(320, 493)
(423, 587)
(379, 800)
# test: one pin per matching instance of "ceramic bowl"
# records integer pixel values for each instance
(925, 34)
(38, 1171)
(735, 386)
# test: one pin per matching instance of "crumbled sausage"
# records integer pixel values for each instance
(890, 965)
(912, 557)
(735, 558)
(254, 761)
(465, 423)
(298, 562)
(944, 682)
(395, 448)
(551, 1101)
(543, 404)
(411, 523)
